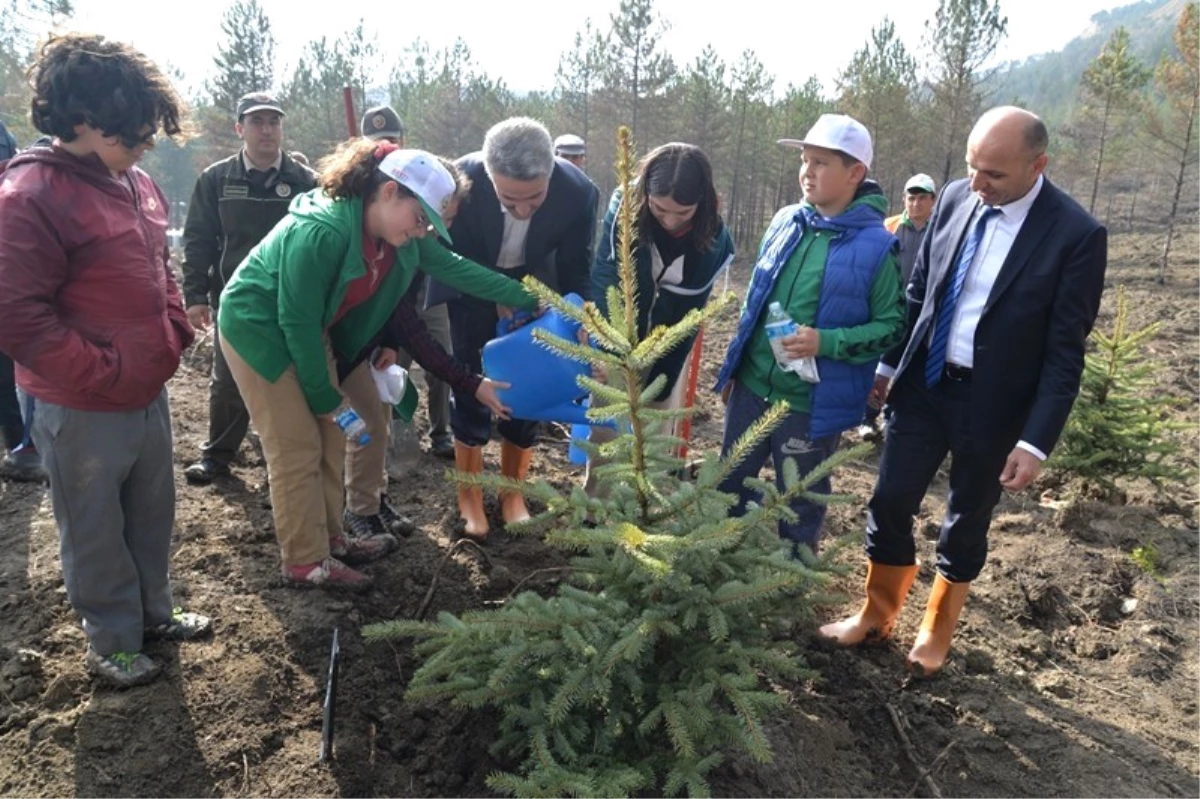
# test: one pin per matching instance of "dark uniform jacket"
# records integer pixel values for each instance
(230, 212)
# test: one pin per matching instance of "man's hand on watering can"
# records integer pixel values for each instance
(385, 358)
(486, 394)
(599, 373)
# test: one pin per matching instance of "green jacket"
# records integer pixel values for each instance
(284, 295)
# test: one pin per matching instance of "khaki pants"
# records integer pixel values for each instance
(601, 435)
(366, 473)
(304, 458)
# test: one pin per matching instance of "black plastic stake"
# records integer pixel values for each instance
(335, 656)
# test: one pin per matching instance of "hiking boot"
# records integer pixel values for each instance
(122, 669)
(328, 573)
(355, 551)
(443, 448)
(182, 626)
(369, 528)
(395, 522)
(23, 464)
(205, 471)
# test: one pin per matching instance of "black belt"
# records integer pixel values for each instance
(959, 374)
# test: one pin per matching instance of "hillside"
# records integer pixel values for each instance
(1049, 82)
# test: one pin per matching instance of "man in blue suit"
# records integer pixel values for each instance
(1003, 296)
(528, 213)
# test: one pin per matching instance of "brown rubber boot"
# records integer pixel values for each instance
(514, 463)
(887, 587)
(470, 498)
(946, 602)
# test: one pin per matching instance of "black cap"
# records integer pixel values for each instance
(257, 101)
(382, 122)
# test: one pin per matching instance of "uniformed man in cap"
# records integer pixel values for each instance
(382, 123)
(235, 204)
(572, 148)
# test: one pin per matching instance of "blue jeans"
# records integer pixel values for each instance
(789, 440)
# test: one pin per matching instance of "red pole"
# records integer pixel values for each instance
(689, 398)
(351, 117)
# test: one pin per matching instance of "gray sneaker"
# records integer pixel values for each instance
(122, 669)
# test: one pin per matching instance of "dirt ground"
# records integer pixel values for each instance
(1074, 671)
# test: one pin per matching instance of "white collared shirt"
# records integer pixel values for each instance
(248, 164)
(512, 245)
(981, 276)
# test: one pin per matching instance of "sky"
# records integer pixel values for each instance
(522, 41)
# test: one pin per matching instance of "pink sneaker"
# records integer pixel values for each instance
(354, 550)
(328, 573)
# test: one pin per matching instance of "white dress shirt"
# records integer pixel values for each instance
(512, 245)
(981, 276)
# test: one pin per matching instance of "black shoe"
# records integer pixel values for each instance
(205, 471)
(24, 465)
(443, 448)
(394, 521)
(370, 529)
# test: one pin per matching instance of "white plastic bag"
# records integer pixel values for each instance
(390, 382)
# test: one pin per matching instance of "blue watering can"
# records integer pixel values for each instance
(544, 386)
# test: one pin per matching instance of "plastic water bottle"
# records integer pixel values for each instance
(353, 427)
(779, 327)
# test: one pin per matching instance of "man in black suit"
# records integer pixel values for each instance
(528, 213)
(1005, 290)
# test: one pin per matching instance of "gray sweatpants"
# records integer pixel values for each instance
(113, 490)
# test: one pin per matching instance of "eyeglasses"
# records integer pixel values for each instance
(422, 218)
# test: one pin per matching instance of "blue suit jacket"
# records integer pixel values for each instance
(558, 246)
(1029, 344)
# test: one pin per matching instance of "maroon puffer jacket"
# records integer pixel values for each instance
(89, 310)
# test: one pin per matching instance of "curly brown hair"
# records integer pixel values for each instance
(351, 170)
(85, 79)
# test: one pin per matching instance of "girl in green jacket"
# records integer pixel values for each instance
(323, 283)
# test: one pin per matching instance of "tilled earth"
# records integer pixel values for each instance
(1074, 671)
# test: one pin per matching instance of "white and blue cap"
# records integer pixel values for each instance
(837, 132)
(425, 176)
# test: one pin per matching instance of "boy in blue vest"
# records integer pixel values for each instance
(833, 268)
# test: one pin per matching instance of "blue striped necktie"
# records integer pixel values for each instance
(936, 360)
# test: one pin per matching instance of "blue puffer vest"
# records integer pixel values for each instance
(855, 254)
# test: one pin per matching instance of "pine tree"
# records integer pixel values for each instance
(1110, 90)
(1173, 130)
(654, 661)
(1120, 426)
(875, 89)
(961, 38)
(245, 61)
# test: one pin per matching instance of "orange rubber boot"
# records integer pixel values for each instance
(887, 587)
(946, 602)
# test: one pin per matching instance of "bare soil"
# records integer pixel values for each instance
(1074, 672)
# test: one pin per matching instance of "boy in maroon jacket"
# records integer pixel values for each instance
(92, 317)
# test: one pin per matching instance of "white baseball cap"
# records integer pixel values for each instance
(921, 182)
(425, 176)
(837, 132)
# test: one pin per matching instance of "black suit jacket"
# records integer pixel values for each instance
(1029, 344)
(558, 246)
